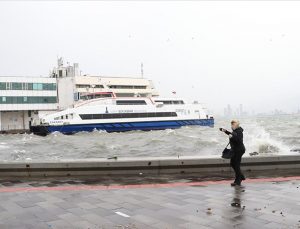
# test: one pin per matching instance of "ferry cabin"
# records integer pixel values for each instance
(124, 114)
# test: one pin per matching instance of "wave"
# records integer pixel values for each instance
(260, 141)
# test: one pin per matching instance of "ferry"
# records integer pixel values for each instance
(105, 111)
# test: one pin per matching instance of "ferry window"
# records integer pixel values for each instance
(170, 101)
(131, 102)
(3, 99)
(99, 86)
(128, 115)
(178, 102)
(97, 116)
(139, 87)
(162, 114)
(143, 115)
(164, 101)
(86, 116)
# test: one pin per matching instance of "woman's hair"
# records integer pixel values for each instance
(235, 121)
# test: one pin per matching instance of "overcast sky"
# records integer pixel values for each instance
(217, 52)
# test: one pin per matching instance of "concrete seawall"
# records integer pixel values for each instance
(145, 165)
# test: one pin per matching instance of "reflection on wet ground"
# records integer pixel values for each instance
(136, 179)
(182, 201)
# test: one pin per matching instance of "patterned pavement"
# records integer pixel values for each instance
(165, 203)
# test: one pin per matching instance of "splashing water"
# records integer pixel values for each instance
(264, 135)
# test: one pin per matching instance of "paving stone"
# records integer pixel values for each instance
(211, 207)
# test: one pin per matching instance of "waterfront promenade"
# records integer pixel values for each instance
(150, 202)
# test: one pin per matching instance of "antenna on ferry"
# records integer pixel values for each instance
(142, 70)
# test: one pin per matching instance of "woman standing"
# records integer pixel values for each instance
(238, 148)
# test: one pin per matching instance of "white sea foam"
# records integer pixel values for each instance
(275, 135)
(257, 139)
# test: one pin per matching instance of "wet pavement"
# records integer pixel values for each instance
(150, 202)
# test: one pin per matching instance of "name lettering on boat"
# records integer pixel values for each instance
(56, 121)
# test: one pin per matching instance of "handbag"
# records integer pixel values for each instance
(227, 153)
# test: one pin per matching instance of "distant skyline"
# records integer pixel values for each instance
(239, 52)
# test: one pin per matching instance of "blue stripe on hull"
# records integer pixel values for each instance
(120, 127)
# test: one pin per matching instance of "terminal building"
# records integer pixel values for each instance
(23, 98)
(73, 86)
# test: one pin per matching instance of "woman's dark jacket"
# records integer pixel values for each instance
(236, 141)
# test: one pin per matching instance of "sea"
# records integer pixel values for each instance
(267, 135)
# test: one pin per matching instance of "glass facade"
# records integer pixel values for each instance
(131, 102)
(127, 87)
(89, 86)
(27, 99)
(27, 86)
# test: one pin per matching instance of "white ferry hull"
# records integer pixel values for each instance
(123, 114)
(121, 126)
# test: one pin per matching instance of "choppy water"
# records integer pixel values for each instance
(265, 135)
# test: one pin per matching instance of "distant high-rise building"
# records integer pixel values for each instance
(241, 110)
(228, 111)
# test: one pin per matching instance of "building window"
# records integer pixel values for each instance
(15, 100)
(24, 86)
(30, 86)
(16, 86)
(83, 86)
(127, 87)
(27, 86)
(37, 86)
(131, 102)
(27, 99)
(46, 86)
(2, 86)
